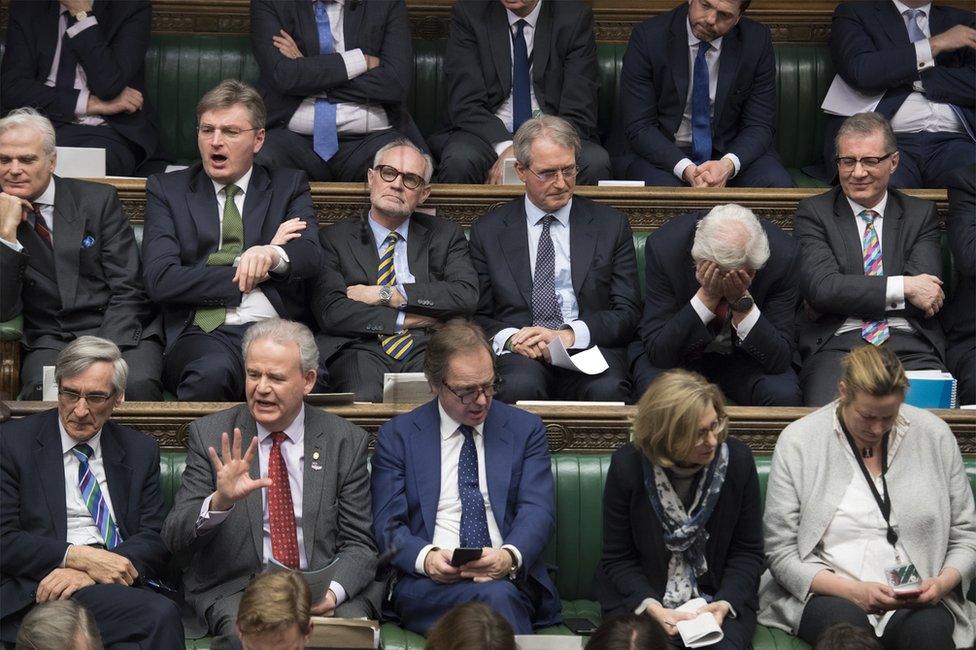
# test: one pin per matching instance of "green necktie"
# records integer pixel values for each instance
(231, 244)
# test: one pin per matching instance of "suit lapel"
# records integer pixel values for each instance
(418, 245)
(500, 42)
(255, 500)
(850, 233)
(351, 21)
(540, 49)
(117, 474)
(728, 69)
(49, 463)
(363, 249)
(892, 255)
(513, 241)
(257, 198)
(678, 55)
(69, 228)
(49, 34)
(312, 484)
(425, 457)
(307, 27)
(41, 258)
(892, 22)
(498, 465)
(583, 235)
(201, 203)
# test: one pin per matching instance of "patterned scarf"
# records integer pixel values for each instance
(685, 535)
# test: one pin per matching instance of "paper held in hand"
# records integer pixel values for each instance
(700, 631)
(344, 633)
(588, 362)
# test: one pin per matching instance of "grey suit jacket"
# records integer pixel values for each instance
(811, 472)
(91, 283)
(832, 280)
(335, 510)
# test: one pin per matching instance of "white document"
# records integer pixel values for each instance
(611, 183)
(509, 175)
(842, 99)
(701, 631)
(548, 642)
(588, 362)
(49, 387)
(80, 162)
(405, 388)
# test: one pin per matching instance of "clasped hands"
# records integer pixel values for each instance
(711, 173)
(494, 564)
(717, 283)
(533, 342)
(85, 566)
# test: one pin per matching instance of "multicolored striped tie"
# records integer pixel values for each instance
(92, 495)
(874, 332)
(395, 345)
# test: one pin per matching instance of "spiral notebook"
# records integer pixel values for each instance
(931, 389)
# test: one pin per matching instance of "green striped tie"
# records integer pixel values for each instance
(231, 244)
(396, 345)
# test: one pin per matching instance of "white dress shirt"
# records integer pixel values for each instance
(45, 203)
(81, 525)
(682, 136)
(400, 262)
(565, 294)
(447, 526)
(81, 80)
(505, 112)
(351, 118)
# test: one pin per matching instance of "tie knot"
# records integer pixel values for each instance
(547, 220)
(703, 47)
(466, 431)
(520, 25)
(911, 14)
(230, 191)
(277, 437)
(83, 450)
(393, 237)
(869, 216)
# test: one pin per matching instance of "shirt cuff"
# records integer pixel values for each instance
(679, 169)
(745, 326)
(518, 554)
(923, 54)
(418, 565)
(581, 331)
(704, 313)
(401, 317)
(355, 62)
(502, 146)
(895, 293)
(283, 261)
(498, 343)
(64, 558)
(647, 602)
(732, 612)
(81, 105)
(210, 518)
(736, 164)
(12, 244)
(81, 26)
(339, 591)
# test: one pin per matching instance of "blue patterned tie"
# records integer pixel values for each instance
(521, 83)
(545, 307)
(701, 109)
(325, 137)
(474, 521)
(92, 496)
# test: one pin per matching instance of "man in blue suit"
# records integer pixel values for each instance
(698, 100)
(463, 471)
(921, 58)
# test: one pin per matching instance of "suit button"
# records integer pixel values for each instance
(819, 341)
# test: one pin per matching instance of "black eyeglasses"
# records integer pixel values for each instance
(848, 163)
(468, 395)
(93, 399)
(549, 175)
(389, 174)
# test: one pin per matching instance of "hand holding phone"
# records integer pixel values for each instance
(462, 556)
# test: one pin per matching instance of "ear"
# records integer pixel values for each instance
(842, 391)
(310, 381)
(894, 162)
(258, 140)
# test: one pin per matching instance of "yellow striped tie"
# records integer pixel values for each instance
(395, 345)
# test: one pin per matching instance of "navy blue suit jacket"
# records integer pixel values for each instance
(406, 479)
(183, 228)
(33, 517)
(671, 330)
(654, 86)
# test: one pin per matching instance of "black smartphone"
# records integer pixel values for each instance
(465, 555)
(580, 625)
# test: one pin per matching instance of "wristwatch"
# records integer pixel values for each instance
(386, 292)
(513, 570)
(743, 304)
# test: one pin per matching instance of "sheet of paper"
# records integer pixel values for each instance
(842, 99)
(588, 362)
(405, 388)
(548, 642)
(701, 631)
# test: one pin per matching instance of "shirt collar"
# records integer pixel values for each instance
(380, 232)
(880, 208)
(294, 431)
(902, 8)
(694, 40)
(450, 426)
(531, 19)
(533, 213)
(47, 196)
(241, 182)
(68, 443)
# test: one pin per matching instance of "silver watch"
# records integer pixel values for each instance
(386, 292)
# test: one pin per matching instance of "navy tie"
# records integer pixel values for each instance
(67, 63)
(545, 307)
(521, 83)
(474, 522)
(701, 109)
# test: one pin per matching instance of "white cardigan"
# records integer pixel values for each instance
(930, 497)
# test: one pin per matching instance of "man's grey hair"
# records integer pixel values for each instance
(58, 624)
(865, 125)
(283, 332)
(732, 237)
(84, 352)
(555, 129)
(29, 118)
(403, 142)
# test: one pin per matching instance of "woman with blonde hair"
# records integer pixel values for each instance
(681, 514)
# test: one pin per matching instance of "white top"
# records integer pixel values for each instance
(504, 112)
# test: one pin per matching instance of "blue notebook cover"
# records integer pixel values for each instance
(931, 392)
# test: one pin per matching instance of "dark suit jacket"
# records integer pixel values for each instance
(183, 228)
(654, 86)
(335, 510)
(437, 252)
(379, 28)
(112, 54)
(634, 565)
(478, 66)
(832, 280)
(33, 519)
(671, 330)
(406, 480)
(90, 284)
(959, 314)
(602, 260)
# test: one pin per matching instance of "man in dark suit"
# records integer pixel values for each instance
(69, 262)
(290, 487)
(555, 265)
(698, 100)
(959, 315)
(920, 59)
(81, 508)
(335, 77)
(227, 243)
(870, 264)
(507, 59)
(463, 471)
(81, 63)
(388, 276)
(721, 294)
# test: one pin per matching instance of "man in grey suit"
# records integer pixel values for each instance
(290, 487)
(69, 262)
(870, 264)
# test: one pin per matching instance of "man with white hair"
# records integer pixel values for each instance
(721, 295)
(69, 262)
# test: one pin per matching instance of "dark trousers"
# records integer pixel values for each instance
(206, 367)
(765, 171)
(908, 629)
(284, 148)
(121, 156)
(529, 379)
(359, 368)
(924, 158)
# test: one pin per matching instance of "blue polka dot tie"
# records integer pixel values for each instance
(474, 522)
(545, 306)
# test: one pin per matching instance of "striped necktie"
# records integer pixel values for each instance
(396, 345)
(231, 244)
(92, 496)
(874, 332)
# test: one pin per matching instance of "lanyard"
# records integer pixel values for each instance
(883, 504)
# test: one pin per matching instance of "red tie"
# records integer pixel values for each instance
(281, 511)
(40, 227)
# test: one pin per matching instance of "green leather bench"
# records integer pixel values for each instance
(575, 547)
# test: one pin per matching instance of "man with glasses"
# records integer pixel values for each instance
(388, 277)
(465, 472)
(551, 265)
(870, 264)
(82, 508)
(227, 243)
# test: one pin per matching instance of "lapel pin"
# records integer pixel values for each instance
(316, 465)
(88, 241)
